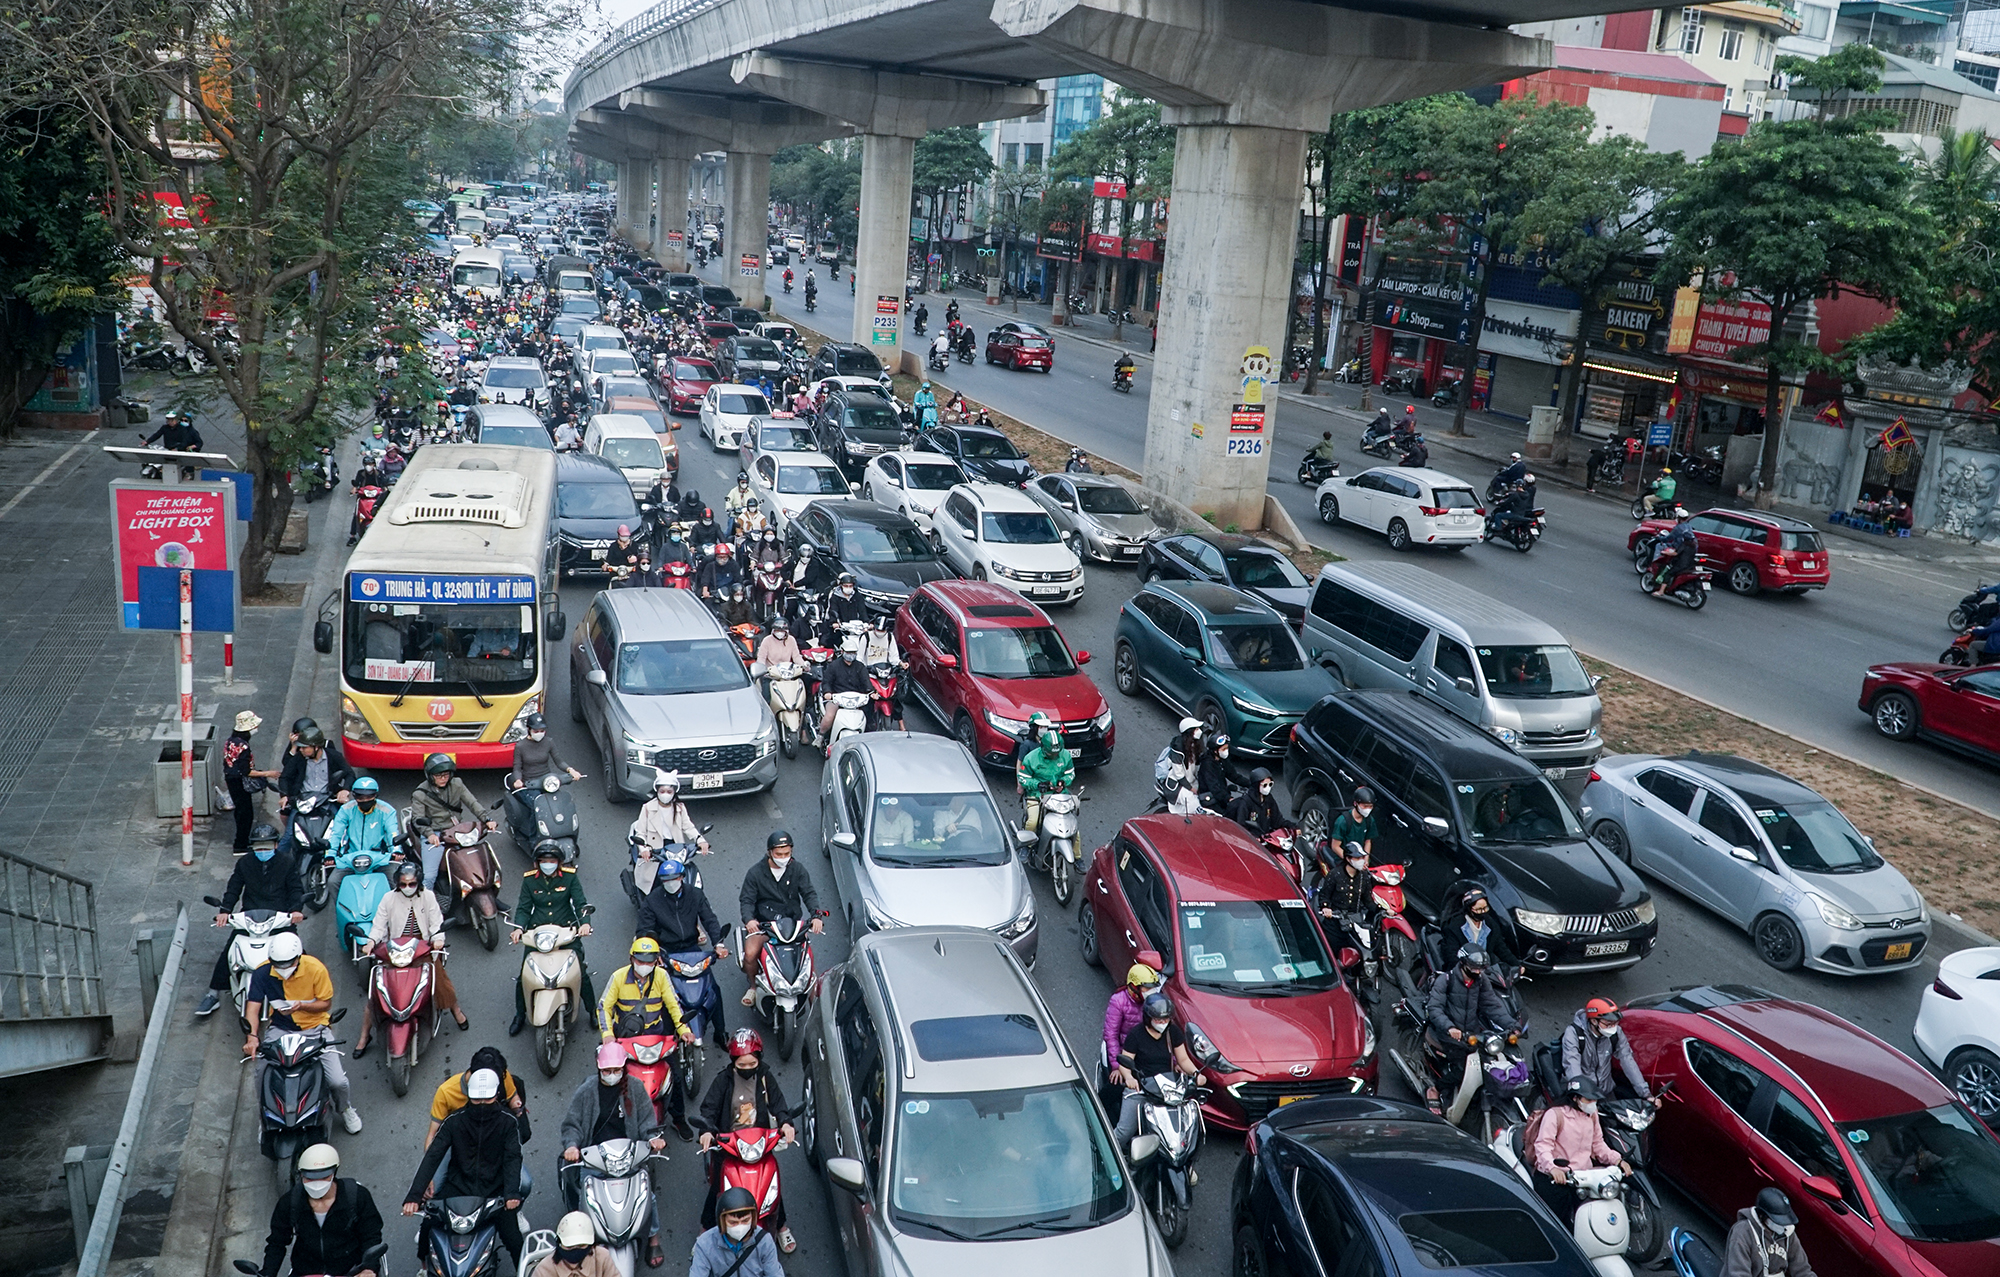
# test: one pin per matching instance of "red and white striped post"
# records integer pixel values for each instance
(187, 717)
(229, 660)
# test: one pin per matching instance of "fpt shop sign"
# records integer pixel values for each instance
(425, 588)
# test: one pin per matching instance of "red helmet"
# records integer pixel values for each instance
(1597, 1008)
(745, 1042)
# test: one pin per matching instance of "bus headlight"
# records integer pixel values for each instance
(353, 726)
(519, 729)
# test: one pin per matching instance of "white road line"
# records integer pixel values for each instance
(48, 470)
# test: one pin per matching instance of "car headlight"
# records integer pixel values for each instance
(877, 920)
(519, 727)
(1507, 735)
(1022, 920)
(1011, 726)
(1367, 1042)
(1923, 913)
(1102, 722)
(1645, 911)
(635, 749)
(1833, 915)
(1252, 707)
(1001, 569)
(1547, 924)
(766, 738)
(1206, 1053)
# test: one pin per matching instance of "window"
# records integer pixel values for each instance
(1255, 648)
(1256, 947)
(1019, 527)
(1454, 662)
(1719, 818)
(1814, 20)
(1670, 789)
(1816, 838)
(597, 501)
(1369, 621)
(1329, 1226)
(977, 1037)
(1799, 1136)
(1477, 1238)
(1516, 811)
(1691, 24)
(1054, 487)
(961, 512)
(1734, 1082)
(1205, 556)
(920, 831)
(1386, 763)
(933, 476)
(1031, 154)
(1104, 499)
(1984, 682)
(1534, 672)
(1145, 893)
(867, 543)
(1427, 796)
(1731, 46)
(1262, 570)
(817, 481)
(1011, 153)
(1934, 1174)
(1018, 652)
(598, 631)
(851, 790)
(861, 1052)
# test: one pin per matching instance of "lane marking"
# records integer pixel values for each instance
(50, 469)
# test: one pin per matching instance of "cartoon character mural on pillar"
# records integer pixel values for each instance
(1257, 370)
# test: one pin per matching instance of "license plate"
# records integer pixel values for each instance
(597, 553)
(1291, 1099)
(1810, 566)
(1128, 552)
(1606, 949)
(1555, 773)
(1047, 590)
(707, 780)
(1897, 952)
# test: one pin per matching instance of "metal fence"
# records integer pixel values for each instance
(49, 963)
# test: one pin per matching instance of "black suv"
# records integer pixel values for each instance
(834, 360)
(745, 358)
(853, 426)
(1460, 809)
(984, 454)
(887, 555)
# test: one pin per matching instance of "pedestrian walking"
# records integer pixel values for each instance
(242, 781)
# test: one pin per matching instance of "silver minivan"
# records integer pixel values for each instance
(1396, 625)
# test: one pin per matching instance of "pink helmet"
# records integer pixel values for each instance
(624, 531)
(611, 1056)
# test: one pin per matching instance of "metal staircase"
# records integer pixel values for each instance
(52, 1011)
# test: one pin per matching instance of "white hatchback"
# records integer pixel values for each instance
(1409, 505)
(911, 483)
(787, 482)
(727, 410)
(1958, 1028)
(995, 533)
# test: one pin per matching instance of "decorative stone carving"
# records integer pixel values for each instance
(1964, 498)
(1886, 380)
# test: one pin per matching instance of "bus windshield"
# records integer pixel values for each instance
(472, 276)
(440, 647)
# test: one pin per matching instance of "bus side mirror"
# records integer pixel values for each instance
(323, 637)
(554, 623)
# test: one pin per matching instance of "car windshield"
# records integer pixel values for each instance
(936, 831)
(1256, 649)
(611, 361)
(1018, 527)
(1934, 1174)
(856, 364)
(687, 370)
(742, 405)
(475, 276)
(786, 439)
(924, 476)
(579, 306)
(1260, 570)
(1106, 499)
(982, 1165)
(867, 543)
(646, 410)
(515, 378)
(1816, 838)
(815, 481)
(871, 414)
(596, 501)
(989, 447)
(630, 453)
(756, 348)
(1526, 810)
(1028, 652)
(675, 667)
(1261, 947)
(1528, 672)
(517, 436)
(634, 387)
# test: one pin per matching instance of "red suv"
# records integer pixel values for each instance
(1953, 706)
(1018, 348)
(1753, 551)
(1890, 1174)
(982, 659)
(1250, 973)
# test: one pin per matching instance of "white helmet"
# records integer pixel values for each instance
(286, 947)
(1188, 725)
(666, 780)
(574, 1231)
(320, 1157)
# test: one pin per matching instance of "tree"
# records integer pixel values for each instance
(1064, 212)
(946, 161)
(1797, 210)
(820, 182)
(1017, 193)
(283, 132)
(1127, 145)
(59, 265)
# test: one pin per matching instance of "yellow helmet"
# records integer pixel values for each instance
(646, 947)
(1141, 974)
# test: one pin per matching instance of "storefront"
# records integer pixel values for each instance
(1627, 378)
(1528, 344)
(1421, 310)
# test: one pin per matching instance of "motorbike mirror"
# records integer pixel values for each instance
(705, 828)
(1350, 959)
(1145, 1148)
(589, 909)
(323, 644)
(1436, 826)
(596, 678)
(339, 1014)
(846, 842)
(1745, 854)
(245, 1266)
(947, 661)
(212, 900)
(847, 1172)
(1082, 657)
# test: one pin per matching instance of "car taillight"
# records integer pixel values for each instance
(1939, 987)
(1594, 775)
(1777, 560)
(1431, 511)
(1479, 510)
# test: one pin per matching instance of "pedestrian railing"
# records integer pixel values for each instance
(50, 969)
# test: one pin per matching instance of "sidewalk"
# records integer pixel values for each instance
(90, 708)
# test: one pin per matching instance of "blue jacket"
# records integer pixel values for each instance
(372, 831)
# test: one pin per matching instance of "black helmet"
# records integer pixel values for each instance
(537, 723)
(313, 738)
(734, 1199)
(779, 838)
(1221, 741)
(1581, 1088)
(439, 765)
(1776, 1208)
(1472, 959)
(548, 849)
(691, 497)
(1258, 775)
(265, 832)
(742, 476)
(406, 869)
(1157, 1007)
(303, 725)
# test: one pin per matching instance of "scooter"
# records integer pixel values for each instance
(1692, 1256)
(646, 1058)
(850, 716)
(767, 589)
(1502, 1081)
(613, 1184)
(250, 947)
(371, 1261)
(1054, 846)
(1350, 373)
(475, 872)
(1170, 1116)
(936, 360)
(460, 1237)
(1121, 380)
(1314, 471)
(1973, 611)
(787, 694)
(1673, 510)
(1959, 653)
(1283, 846)
(1374, 935)
(1604, 1206)
(291, 1096)
(367, 499)
(749, 1156)
(403, 989)
(363, 886)
(786, 978)
(1521, 532)
(883, 680)
(310, 817)
(1378, 443)
(552, 985)
(1689, 588)
(543, 812)
(1403, 381)
(321, 477)
(1606, 465)
(701, 1006)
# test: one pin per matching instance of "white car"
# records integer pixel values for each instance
(776, 434)
(994, 533)
(1408, 505)
(1958, 1028)
(786, 483)
(727, 411)
(911, 483)
(505, 242)
(778, 331)
(514, 379)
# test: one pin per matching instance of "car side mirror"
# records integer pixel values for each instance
(1596, 681)
(596, 679)
(1145, 1148)
(1436, 827)
(854, 488)
(846, 842)
(1746, 855)
(554, 622)
(946, 660)
(1082, 657)
(847, 1173)
(1821, 1187)
(323, 637)
(1466, 685)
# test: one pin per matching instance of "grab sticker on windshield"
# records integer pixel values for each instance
(1209, 961)
(1857, 1137)
(1465, 789)
(914, 1107)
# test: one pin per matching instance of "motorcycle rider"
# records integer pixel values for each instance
(1592, 1046)
(535, 756)
(613, 1105)
(878, 647)
(1415, 455)
(552, 895)
(483, 1140)
(1763, 1242)
(777, 647)
(292, 993)
(1571, 1134)
(1348, 889)
(734, 607)
(365, 476)
(678, 915)
(847, 674)
(176, 434)
(1510, 474)
(719, 575)
(1125, 1010)
(364, 821)
(843, 605)
(1660, 491)
(1324, 451)
(1462, 1001)
(623, 552)
(1471, 927)
(260, 880)
(1154, 1046)
(1212, 775)
(410, 910)
(705, 535)
(661, 821)
(808, 575)
(443, 800)
(778, 888)
(745, 1094)
(1381, 428)
(1045, 767)
(720, 1252)
(968, 345)
(924, 401)
(315, 768)
(1514, 506)
(920, 318)
(1078, 463)
(737, 498)
(812, 290)
(1673, 554)
(577, 1253)
(1256, 810)
(1125, 368)
(675, 550)
(940, 348)
(326, 1222)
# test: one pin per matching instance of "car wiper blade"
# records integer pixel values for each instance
(1048, 1224)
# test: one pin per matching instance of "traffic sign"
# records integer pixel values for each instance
(1660, 434)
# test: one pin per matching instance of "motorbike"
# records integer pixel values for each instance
(1690, 587)
(612, 1183)
(362, 888)
(787, 694)
(677, 574)
(1314, 471)
(1668, 510)
(965, 353)
(1606, 465)
(543, 812)
(250, 946)
(1283, 846)
(1376, 950)
(1170, 1116)
(786, 978)
(884, 680)
(745, 638)
(321, 476)
(310, 817)
(371, 1261)
(1378, 443)
(647, 1059)
(1973, 611)
(292, 1096)
(367, 499)
(749, 1156)
(403, 988)
(1445, 396)
(812, 303)
(1520, 531)
(475, 872)
(461, 1238)
(1055, 845)
(1350, 373)
(767, 589)
(1502, 1080)
(1704, 467)
(1605, 1207)
(850, 716)
(701, 1006)
(552, 985)
(1403, 381)
(1959, 653)
(1692, 1256)
(936, 360)
(1121, 380)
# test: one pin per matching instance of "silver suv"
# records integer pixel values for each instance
(916, 840)
(954, 1123)
(660, 686)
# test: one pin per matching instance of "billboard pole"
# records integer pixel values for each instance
(187, 716)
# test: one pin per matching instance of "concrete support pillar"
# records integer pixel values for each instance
(882, 244)
(628, 195)
(1228, 290)
(747, 177)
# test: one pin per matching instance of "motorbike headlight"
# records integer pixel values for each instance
(1011, 726)
(1547, 924)
(1205, 1051)
(1022, 920)
(1834, 915)
(877, 920)
(518, 729)
(1252, 707)
(352, 725)
(1645, 911)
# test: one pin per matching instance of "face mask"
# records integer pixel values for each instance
(549, 867)
(1479, 915)
(1221, 755)
(1608, 1030)
(1781, 1230)
(1362, 813)
(366, 804)
(779, 862)
(746, 1065)
(1157, 1026)
(673, 885)
(536, 735)
(1263, 789)
(846, 591)
(665, 797)
(737, 1232)
(640, 970)
(572, 1257)
(609, 1077)
(265, 853)
(411, 892)
(316, 1188)
(1588, 1107)
(285, 973)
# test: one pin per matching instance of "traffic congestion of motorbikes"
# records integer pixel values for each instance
(1563, 1105)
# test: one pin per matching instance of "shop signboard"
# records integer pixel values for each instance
(1106, 245)
(1720, 327)
(182, 527)
(1523, 331)
(1353, 247)
(1416, 317)
(1060, 242)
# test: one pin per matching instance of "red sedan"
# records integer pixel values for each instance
(688, 379)
(1250, 973)
(1755, 550)
(1890, 1174)
(1954, 706)
(1018, 349)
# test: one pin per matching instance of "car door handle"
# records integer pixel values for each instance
(1129, 940)
(1431, 683)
